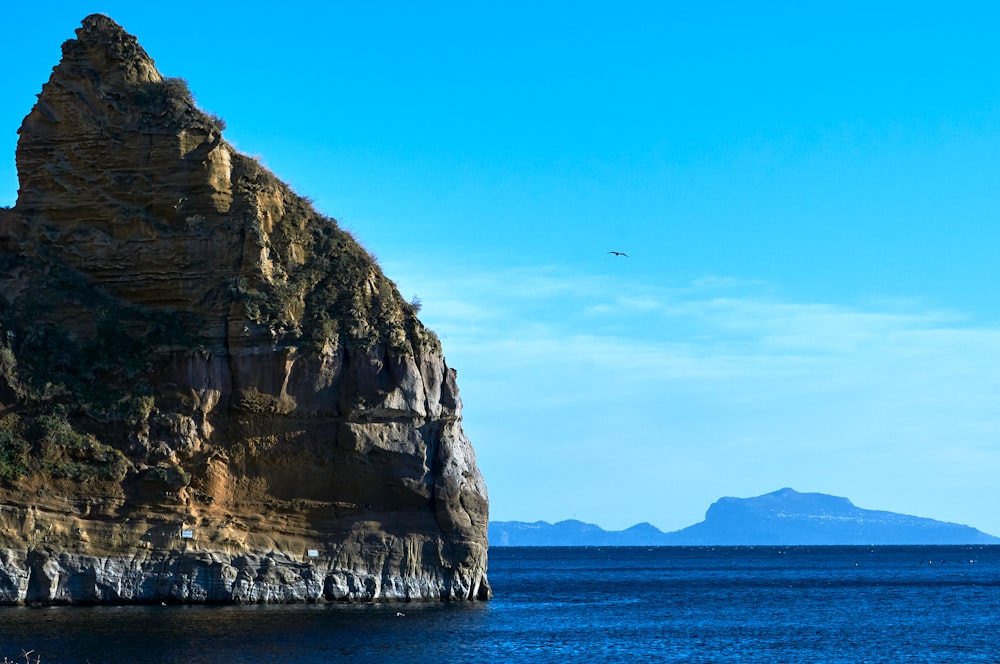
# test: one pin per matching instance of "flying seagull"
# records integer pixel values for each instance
(619, 253)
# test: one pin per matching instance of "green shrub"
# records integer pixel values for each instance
(13, 455)
(217, 122)
(67, 453)
(169, 103)
(170, 477)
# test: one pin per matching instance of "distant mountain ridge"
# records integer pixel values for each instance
(783, 517)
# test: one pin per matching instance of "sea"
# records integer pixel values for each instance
(588, 604)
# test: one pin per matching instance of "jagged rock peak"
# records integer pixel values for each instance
(106, 98)
(104, 47)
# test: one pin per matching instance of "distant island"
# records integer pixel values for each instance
(784, 517)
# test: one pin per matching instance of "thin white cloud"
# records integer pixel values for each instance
(527, 318)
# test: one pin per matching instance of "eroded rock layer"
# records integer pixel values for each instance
(209, 391)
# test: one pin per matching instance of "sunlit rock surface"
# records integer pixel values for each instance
(210, 392)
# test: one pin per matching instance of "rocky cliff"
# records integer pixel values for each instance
(209, 392)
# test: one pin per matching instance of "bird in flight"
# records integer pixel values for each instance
(619, 253)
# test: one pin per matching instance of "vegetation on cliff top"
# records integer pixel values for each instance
(170, 103)
(323, 284)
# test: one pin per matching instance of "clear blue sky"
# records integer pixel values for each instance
(808, 194)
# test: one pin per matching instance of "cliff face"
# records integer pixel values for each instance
(208, 391)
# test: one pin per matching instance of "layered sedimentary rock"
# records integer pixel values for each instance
(210, 392)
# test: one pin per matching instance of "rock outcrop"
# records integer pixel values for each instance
(209, 392)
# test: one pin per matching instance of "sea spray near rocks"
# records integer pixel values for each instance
(210, 392)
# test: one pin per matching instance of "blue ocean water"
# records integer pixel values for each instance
(672, 604)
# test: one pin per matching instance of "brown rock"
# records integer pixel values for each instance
(208, 391)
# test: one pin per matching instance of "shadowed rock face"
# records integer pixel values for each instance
(209, 392)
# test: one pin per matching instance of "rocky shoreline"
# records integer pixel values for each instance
(206, 577)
